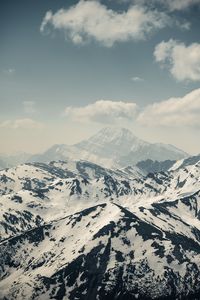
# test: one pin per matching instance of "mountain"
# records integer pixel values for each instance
(7, 161)
(2, 164)
(55, 153)
(158, 151)
(106, 252)
(35, 193)
(77, 230)
(185, 162)
(151, 166)
(111, 147)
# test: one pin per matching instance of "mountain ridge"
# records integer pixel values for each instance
(76, 230)
(112, 147)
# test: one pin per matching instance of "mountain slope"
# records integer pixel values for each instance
(185, 162)
(32, 194)
(76, 230)
(107, 252)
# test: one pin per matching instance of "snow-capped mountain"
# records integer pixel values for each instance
(106, 252)
(77, 230)
(39, 192)
(111, 147)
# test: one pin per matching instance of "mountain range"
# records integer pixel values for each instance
(74, 229)
(110, 147)
(11, 160)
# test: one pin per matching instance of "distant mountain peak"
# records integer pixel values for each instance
(122, 137)
(112, 147)
(115, 133)
(110, 142)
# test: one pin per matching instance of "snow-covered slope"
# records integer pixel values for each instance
(108, 252)
(111, 147)
(185, 162)
(76, 230)
(36, 193)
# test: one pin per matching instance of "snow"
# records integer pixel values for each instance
(166, 204)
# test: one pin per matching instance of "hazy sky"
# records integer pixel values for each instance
(69, 68)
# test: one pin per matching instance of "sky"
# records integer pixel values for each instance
(69, 68)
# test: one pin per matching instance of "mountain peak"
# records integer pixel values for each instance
(112, 147)
(108, 134)
(110, 141)
(117, 129)
(116, 132)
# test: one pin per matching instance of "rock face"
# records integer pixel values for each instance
(76, 230)
(112, 147)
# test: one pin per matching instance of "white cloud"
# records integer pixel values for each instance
(180, 4)
(21, 124)
(173, 112)
(137, 79)
(103, 111)
(92, 20)
(29, 107)
(171, 5)
(183, 61)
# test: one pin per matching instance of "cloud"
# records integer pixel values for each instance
(173, 112)
(103, 111)
(180, 4)
(92, 20)
(29, 107)
(137, 79)
(171, 5)
(183, 61)
(21, 124)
